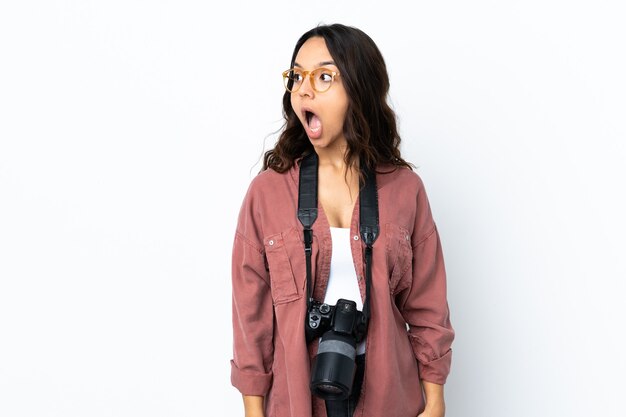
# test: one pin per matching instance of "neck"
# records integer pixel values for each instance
(333, 157)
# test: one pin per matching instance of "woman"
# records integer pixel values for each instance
(336, 112)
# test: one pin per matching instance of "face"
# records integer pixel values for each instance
(321, 114)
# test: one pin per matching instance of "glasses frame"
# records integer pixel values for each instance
(309, 75)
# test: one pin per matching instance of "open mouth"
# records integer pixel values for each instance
(312, 121)
(308, 115)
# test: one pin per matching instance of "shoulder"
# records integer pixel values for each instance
(269, 182)
(398, 178)
(264, 190)
(404, 201)
(269, 193)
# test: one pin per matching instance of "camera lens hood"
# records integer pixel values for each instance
(334, 366)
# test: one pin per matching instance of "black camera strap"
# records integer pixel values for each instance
(307, 211)
(368, 219)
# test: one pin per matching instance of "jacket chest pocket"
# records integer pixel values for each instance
(399, 257)
(281, 269)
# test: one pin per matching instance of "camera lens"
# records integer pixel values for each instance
(334, 367)
(329, 389)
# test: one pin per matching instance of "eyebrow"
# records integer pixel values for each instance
(320, 64)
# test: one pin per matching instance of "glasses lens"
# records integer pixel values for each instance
(292, 79)
(322, 79)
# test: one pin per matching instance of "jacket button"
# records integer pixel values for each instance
(356, 237)
(271, 242)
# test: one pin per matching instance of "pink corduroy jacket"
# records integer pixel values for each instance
(410, 334)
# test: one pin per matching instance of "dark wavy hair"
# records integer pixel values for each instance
(370, 124)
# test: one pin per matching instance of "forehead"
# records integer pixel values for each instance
(313, 53)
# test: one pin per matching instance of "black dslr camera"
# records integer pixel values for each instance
(341, 327)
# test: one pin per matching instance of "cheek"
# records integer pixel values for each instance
(340, 104)
(296, 110)
(340, 114)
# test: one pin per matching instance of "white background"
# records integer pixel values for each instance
(130, 130)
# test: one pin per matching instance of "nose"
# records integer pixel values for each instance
(306, 89)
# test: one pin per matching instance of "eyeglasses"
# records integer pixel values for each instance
(321, 79)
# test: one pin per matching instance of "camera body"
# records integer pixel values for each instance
(342, 317)
(340, 327)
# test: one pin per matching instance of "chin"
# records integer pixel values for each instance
(319, 143)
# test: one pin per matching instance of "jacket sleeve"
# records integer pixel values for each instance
(424, 304)
(252, 309)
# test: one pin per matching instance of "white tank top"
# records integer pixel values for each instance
(343, 282)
